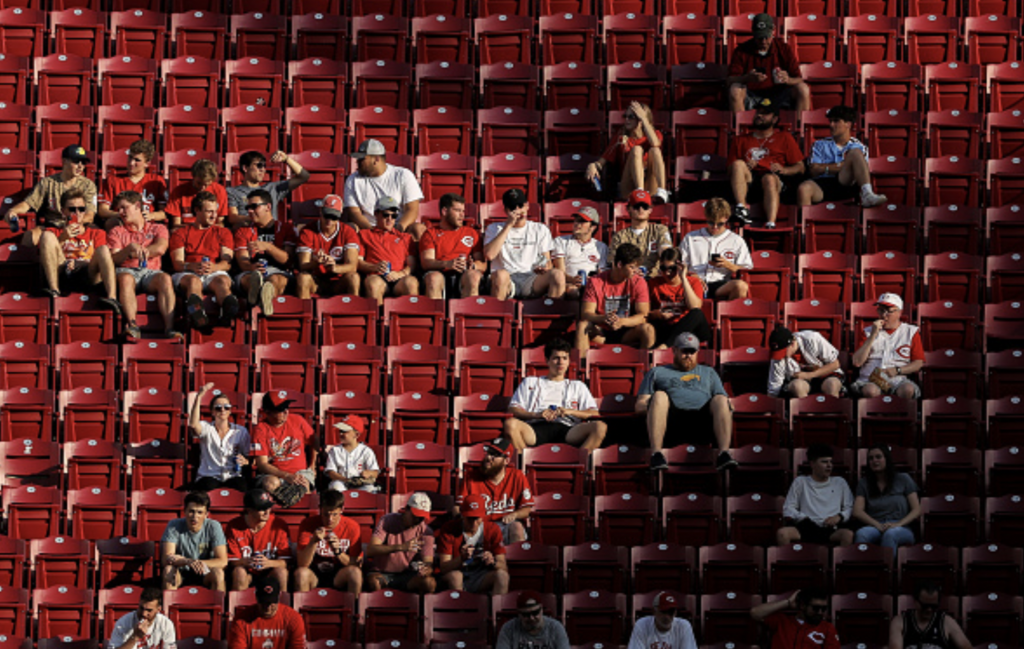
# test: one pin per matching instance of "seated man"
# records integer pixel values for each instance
(253, 166)
(506, 489)
(204, 179)
(579, 255)
(193, 550)
(553, 409)
(766, 67)
(888, 352)
(803, 362)
(927, 626)
(146, 627)
(151, 186)
(689, 400)
(269, 624)
(650, 238)
(284, 445)
(452, 254)
(374, 179)
(470, 551)
(201, 254)
(330, 549)
(766, 159)
(615, 305)
(838, 166)
(676, 303)
(807, 629)
(350, 463)
(531, 628)
(258, 545)
(386, 256)
(818, 506)
(716, 254)
(663, 629)
(136, 247)
(44, 199)
(264, 251)
(401, 549)
(77, 254)
(328, 255)
(520, 253)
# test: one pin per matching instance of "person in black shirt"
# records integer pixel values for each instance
(926, 627)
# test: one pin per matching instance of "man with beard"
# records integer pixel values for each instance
(818, 507)
(452, 254)
(663, 630)
(258, 543)
(328, 255)
(374, 179)
(471, 556)
(686, 397)
(531, 629)
(579, 255)
(254, 169)
(269, 624)
(766, 67)
(838, 166)
(807, 629)
(146, 627)
(508, 493)
(765, 158)
(926, 627)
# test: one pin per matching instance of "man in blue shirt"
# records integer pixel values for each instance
(839, 165)
(686, 397)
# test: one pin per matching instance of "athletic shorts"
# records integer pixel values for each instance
(77, 281)
(522, 285)
(858, 386)
(550, 432)
(143, 276)
(811, 532)
(396, 580)
(207, 279)
(835, 191)
(270, 271)
(472, 579)
(689, 427)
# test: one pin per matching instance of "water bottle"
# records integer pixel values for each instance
(234, 461)
(597, 184)
(142, 259)
(583, 278)
(15, 224)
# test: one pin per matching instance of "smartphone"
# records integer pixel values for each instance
(716, 257)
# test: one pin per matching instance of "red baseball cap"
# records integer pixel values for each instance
(332, 205)
(638, 196)
(665, 602)
(474, 506)
(351, 422)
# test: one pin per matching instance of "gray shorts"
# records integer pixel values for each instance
(893, 385)
(472, 579)
(270, 271)
(177, 277)
(522, 285)
(506, 531)
(143, 276)
(309, 475)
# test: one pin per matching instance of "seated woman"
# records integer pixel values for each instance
(676, 301)
(886, 502)
(223, 445)
(634, 159)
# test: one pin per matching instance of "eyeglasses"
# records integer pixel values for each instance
(533, 613)
(887, 309)
(641, 206)
(222, 408)
(252, 207)
(77, 209)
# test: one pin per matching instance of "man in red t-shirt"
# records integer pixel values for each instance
(807, 629)
(452, 254)
(504, 487)
(257, 543)
(676, 302)
(766, 67)
(269, 624)
(201, 254)
(470, 551)
(76, 255)
(330, 549)
(615, 305)
(328, 255)
(386, 255)
(150, 186)
(204, 178)
(283, 442)
(765, 158)
(264, 249)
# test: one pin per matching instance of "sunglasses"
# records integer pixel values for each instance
(529, 614)
(641, 206)
(221, 408)
(390, 214)
(669, 270)
(77, 210)
(887, 309)
(252, 207)
(260, 165)
(332, 217)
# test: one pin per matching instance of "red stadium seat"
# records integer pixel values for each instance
(726, 617)
(509, 130)
(1005, 520)
(1004, 417)
(931, 40)
(626, 519)
(138, 33)
(821, 419)
(439, 37)
(754, 518)
(415, 417)
(829, 226)
(30, 462)
(951, 420)
(92, 464)
(347, 318)
(14, 612)
(66, 123)
(59, 561)
(24, 365)
(615, 369)
(953, 180)
(559, 518)
(22, 31)
(443, 173)
(863, 568)
(701, 131)
(795, 566)
(333, 407)
(421, 466)
(1005, 229)
(953, 86)
(862, 617)
(629, 37)
(1005, 377)
(746, 322)
(590, 566)
(952, 276)
(96, 513)
(663, 566)
(351, 366)
(382, 83)
(889, 272)
(225, 365)
(690, 470)
(1002, 326)
(952, 229)
(533, 566)
(15, 123)
(992, 39)
(951, 469)
(573, 130)
(123, 124)
(925, 562)
(572, 84)
(258, 34)
(993, 617)
(390, 615)
(555, 468)
(594, 616)
(954, 132)
(153, 365)
(152, 509)
(440, 128)
(381, 36)
(485, 369)
(153, 414)
(123, 561)
(418, 368)
(456, 616)
(199, 34)
(992, 567)
(1005, 277)
(762, 469)
(893, 132)
(14, 72)
(891, 85)
(693, 519)
(388, 125)
(508, 84)
(32, 512)
(568, 37)
(196, 611)
(771, 278)
(155, 465)
(254, 83)
(320, 34)
(948, 325)
(621, 469)
(827, 318)
(813, 37)
(757, 419)
(286, 366)
(88, 414)
(504, 38)
(26, 413)
(60, 611)
(318, 81)
(479, 418)
(251, 127)
(952, 519)
(871, 38)
(636, 81)
(887, 420)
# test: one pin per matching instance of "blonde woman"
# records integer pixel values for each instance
(634, 157)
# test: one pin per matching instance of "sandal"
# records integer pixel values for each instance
(175, 335)
(111, 304)
(132, 333)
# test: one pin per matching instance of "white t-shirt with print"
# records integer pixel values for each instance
(591, 256)
(363, 191)
(161, 632)
(647, 636)
(698, 246)
(524, 247)
(537, 393)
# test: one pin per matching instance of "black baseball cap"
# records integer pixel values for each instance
(257, 499)
(269, 592)
(514, 198)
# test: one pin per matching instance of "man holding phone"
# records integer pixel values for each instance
(520, 253)
(716, 254)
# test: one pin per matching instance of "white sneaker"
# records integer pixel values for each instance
(871, 199)
(663, 194)
(770, 225)
(267, 295)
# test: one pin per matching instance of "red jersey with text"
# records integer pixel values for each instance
(347, 531)
(620, 298)
(450, 244)
(82, 247)
(284, 447)
(662, 293)
(314, 241)
(791, 633)
(180, 202)
(505, 497)
(151, 187)
(199, 243)
(280, 234)
(285, 630)
(271, 540)
(779, 147)
(378, 245)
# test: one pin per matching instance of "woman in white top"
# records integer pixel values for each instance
(554, 410)
(224, 445)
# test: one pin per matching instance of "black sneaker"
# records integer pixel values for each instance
(658, 462)
(51, 293)
(725, 461)
(196, 313)
(229, 310)
(111, 304)
(742, 214)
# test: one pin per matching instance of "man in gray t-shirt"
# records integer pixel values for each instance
(253, 166)
(686, 397)
(193, 549)
(531, 629)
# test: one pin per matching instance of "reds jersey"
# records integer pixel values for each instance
(347, 531)
(376, 246)
(894, 348)
(180, 202)
(271, 540)
(450, 244)
(505, 497)
(779, 147)
(151, 187)
(280, 234)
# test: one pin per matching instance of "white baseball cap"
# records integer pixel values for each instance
(890, 300)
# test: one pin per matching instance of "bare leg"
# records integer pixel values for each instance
(809, 193)
(641, 336)
(657, 419)
(802, 97)
(656, 176)
(553, 282)
(50, 258)
(519, 433)
(129, 300)
(632, 171)
(164, 289)
(501, 284)
(374, 288)
(588, 435)
(305, 286)
(434, 285)
(407, 286)
(471, 282)
(103, 265)
(737, 98)
(772, 187)
(740, 179)
(854, 169)
(721, 417)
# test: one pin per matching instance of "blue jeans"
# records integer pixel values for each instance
(893, 538)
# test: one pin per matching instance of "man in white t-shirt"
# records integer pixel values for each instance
(374, 179)
(580, 252)
(663, 630)
(146, 627)
(520, 253)
(553, 409)
(716, 254)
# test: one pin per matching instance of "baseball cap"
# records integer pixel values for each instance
(778, 341)
(369, 147)
(74, 152)
(257, 499)
(419, 504)
(474, 506)
(891, 299)
(332, 205)
(588, 214)
(351, 422)
(529, 599)
(269, 592)
(762, 25)
(514, 198)
(499, 446)
(638, 196)
(767, 106)
(687, 340)
(387, 204)
(276, 401)
(666, 602)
